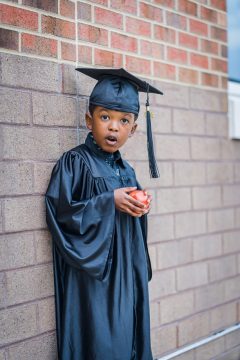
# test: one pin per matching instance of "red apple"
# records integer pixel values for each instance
(140, 195)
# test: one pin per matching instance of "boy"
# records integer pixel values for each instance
(100, 256)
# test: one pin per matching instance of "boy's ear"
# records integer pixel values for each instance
(133, 130)
(88, 120)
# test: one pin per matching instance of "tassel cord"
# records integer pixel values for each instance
(153, 169)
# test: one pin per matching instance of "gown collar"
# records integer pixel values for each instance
(108, 157)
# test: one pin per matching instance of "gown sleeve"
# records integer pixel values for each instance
(81, 224)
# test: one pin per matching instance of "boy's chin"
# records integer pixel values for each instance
(111, 149)
(108, 148)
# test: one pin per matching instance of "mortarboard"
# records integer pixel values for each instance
(117, 89)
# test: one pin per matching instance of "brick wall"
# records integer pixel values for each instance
(194, 226)
(177, 40)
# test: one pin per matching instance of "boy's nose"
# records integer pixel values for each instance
(113, 125)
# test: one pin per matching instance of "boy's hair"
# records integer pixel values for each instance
(92, 107)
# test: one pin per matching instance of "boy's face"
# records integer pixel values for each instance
(110, 128)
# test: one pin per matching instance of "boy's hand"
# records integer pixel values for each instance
(128, 204)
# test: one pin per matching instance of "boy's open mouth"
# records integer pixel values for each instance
(111, 140)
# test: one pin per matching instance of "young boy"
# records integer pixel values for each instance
(100, 257)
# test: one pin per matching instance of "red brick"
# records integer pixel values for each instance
(188, 76)
(18, 17)
(224, 51)
(138, 27)
(176, 21)
(219, 65)
(108, 58)
(218, 4)
(209, 80)
(124, 42)
(68, 51)
(39, 45)
(138, 65)
(149, 48)
(188, 7)
(198, 27)
(8, 39)
(219, 34)
(224, 82)
(85, 54)
(58, 27)
(92, 34)
(208, 14)
(67, 8)
(46, 5)
(84, 11)
(177, 55)
(109, 18)
(129, 6)
(199, 60)
(209, 46)
(187, 40)
(151, 12)
(222, 19)
(167, 3)
(164, 71)
(165, 34)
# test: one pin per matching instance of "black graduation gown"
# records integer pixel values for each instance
(100, 259)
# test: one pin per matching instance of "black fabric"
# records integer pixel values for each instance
(100, 258)
(98, 74)
(115, 93)
(117, 89)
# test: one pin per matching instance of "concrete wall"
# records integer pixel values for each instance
(194, 226)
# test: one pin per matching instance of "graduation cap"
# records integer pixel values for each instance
(117, 89)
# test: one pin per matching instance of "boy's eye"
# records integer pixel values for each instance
(104, 117)
(125, 121)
